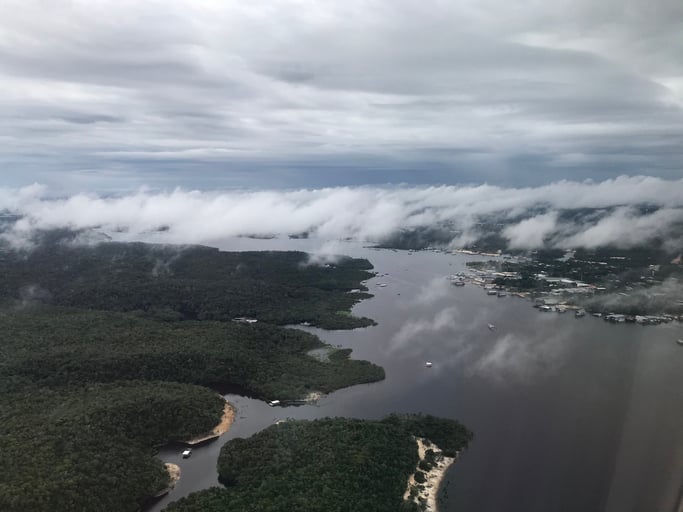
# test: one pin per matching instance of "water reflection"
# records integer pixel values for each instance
(569, 414)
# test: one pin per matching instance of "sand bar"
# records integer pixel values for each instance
(226, 421)
(428, 491)
(173, 471)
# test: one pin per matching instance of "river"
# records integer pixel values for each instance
(573, 415)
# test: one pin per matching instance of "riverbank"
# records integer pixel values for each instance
(423, 485)
(173, 471)
(223, 426)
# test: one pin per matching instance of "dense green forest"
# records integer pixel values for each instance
(91, 447)
(101, 347)
(185, 283)
(53, 346)
(336, 465)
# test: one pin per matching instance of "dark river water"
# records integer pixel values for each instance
(573, 415)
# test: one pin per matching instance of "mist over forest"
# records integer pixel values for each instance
(624, 212)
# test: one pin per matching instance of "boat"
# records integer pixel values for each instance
(679, 341)
(458, 283)
(579, 313)
(502, 294)
(186, 453)
(428, 364)
(273, 403)
(491, 292)
(491, 327)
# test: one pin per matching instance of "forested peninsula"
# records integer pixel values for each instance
(335, 465)
(109, 350)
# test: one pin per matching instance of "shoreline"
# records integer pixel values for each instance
(227, 419)
(428, 491)
(173, 471)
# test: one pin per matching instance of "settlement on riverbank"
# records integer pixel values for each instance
(423, 484)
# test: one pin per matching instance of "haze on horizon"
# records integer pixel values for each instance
(111, 96)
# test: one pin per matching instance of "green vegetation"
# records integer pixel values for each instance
(186, 283)
(90, 448)
(335, 465)
(52, 346)
(101, 348)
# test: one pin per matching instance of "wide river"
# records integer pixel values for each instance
(573, 415)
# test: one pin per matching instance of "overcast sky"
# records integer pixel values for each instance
(111, 95)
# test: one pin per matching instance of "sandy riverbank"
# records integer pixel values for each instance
(226, 421)
(173, 471)
(313, 397)
(427, 492)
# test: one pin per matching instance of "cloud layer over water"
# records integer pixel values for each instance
(370, 213)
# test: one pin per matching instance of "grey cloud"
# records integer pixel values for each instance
(425, 92)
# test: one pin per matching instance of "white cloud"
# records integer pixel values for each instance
(531, 233)
(625, 227)
(362, 213)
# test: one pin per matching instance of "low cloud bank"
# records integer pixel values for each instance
(635, 210)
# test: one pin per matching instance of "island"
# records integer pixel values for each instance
(334, 464)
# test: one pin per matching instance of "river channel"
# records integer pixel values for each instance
(574, 415)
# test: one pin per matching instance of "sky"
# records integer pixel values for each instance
(110, 96)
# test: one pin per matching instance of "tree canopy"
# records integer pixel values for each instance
(103, 348)
(337, 465)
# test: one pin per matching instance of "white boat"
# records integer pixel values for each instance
(186, 453)
(679, 341)
(491, 327)
(428, 364)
